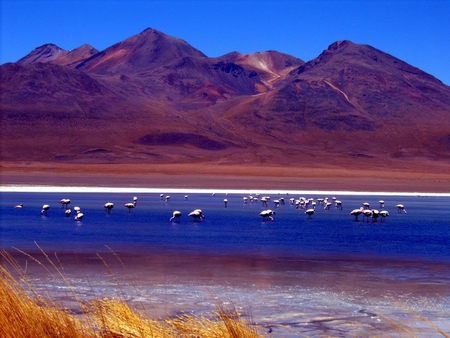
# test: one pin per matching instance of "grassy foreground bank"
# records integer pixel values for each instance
(24, 313)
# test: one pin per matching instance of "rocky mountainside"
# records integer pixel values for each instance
(155, 98)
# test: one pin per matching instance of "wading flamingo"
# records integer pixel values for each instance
(267, 214)
(108, 206)
(65, 202)
(45, 208)
(131, 205)
(310, 212)
(375, 214)
(400, 208)
(327, 205)
(383, 215)
(197, 215)
(175, 216)
(367, 213)
(357, 212)
(18, 206)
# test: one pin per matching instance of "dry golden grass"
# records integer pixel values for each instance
(27, 314)
(24, 313)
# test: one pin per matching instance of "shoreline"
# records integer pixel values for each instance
(122, 190)
(220, 178)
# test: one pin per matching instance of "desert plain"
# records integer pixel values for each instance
(432, 179)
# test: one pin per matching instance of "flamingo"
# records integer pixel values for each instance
(108, 206)
(79, 216)
(167, 198)
(357, 212)
(45, 207)
(327, 205)
(282, 200)
(225, 201)
(264, 201)
(68, 212)
(186, 197)
(384, 214)
(367, 213)
(366, 205)
(161, 196)
(245, 199)
(309, 212)
(400, 208)
(381, 204)
(338, 204)
(277, 203)
(175, 216)
(18, 206)
(267, 214)
(375, 214)
(130, 206)
(77, 209)
(64, 202)
(197, 215)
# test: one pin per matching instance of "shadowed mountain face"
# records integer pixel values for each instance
(155, 98)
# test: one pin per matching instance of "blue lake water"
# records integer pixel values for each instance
(328, 261)
(422, 233)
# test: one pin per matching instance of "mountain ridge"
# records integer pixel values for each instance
(155, 98)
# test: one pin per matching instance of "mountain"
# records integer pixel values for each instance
(142, 52)
(353, 93)
(53, 54)
(155, 98)
(73, 57)
(43, 54)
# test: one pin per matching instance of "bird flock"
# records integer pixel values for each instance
(308, 205)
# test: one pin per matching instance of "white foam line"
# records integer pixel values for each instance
(72, 189)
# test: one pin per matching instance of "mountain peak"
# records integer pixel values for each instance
(45, 53)
(141, 52)
(340, 44)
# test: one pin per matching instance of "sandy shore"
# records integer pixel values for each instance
(204, 176)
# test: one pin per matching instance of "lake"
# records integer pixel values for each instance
(296, 275)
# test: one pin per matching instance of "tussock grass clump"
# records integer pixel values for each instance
(24, 313)
(116, 319)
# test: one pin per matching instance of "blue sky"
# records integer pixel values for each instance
(414, 31)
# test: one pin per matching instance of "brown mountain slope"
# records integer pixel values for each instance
(354, 100)
(43, 54)
(74, 57)
(142, 52)
(153, 65)
(153, 98)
